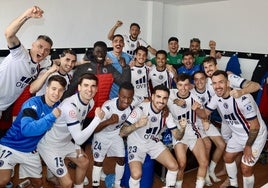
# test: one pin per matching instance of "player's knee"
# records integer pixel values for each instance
(83, 162)
(136, 175)
(246, 170)
(66, 183)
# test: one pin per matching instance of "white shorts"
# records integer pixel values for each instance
(190, 137)
(107, 144)
(137, 150)
(30, 163)
(212, 131)
(236, 144)
(54, 157)
(226, 132)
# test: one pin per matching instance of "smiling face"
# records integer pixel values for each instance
(140, 57)
(134, 32)
(40, 50)
(188, 61)
(209, 67)
(118, 44)
(54, 92)
(87, 90)
(173, 47)
(200, 81)
(183, 88)
(125, 98)
(67, 63)
(159, 100)
(99, 53)
(221, 85)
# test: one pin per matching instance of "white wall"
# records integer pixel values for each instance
(71, 23)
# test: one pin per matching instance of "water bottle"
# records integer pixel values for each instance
(24, 184)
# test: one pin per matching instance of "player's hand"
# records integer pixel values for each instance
(236, 93)
(142, 121)
(248, 156)
(34, 12)
(108, 61)
(114, 119)
(54, 68)
(165, 112)
(206, 124)
(56, 112)
(122, 62)
(179, 102)
(183, 122)
(196, 105)
(118, 23)
(99, 112)
(212, 44)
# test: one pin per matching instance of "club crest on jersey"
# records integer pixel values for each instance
(139, 71)
(132, 45)
(249, 107)
(184, 105)
(104, 70)
(153, 119)
(96, 155)
(72, 114)
(60, 171)
(130, 157)
(225, 105)
(123, 117)
(133, 114)
(161, 77)
(33, 70)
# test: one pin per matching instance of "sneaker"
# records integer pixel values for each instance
(208, 182)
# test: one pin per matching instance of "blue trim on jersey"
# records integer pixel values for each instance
(74, 123)
(241, 117)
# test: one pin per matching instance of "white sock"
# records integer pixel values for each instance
(96, 173)
(79, 186)
(178, 184)
(171, 178)
(231, 169)
(134, 183)
(119, 172)
(212, 166)
(248, 181)
(207, 179)
(200, 182)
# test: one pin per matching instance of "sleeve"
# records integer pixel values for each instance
(32, 125)
(248, 106)
(212, 104)
(171, 124)
(134, 116)
(236, 81)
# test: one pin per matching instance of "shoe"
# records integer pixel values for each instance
(214, 177)
(86, 182)
(208, 182)
(54, 180)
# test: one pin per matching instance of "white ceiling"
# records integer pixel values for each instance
(184, 2)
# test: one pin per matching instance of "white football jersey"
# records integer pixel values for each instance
(131, 45)
(139, 79)
(160, 77)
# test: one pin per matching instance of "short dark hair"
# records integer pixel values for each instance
(88, 76)
(162, 88)
(198, 72)
(117, 35)
(62, 81)
(68, 51)
(134, 24)
(209, 59)
(188, 53)
(195, 40)
(126, 85)
(173, 39)
(45, 38)
(220, 72)
(143, 48)
(161, 52)
(100, 43)
(183, 77)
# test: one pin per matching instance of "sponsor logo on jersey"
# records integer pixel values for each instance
(24, 81)
(72, 114)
